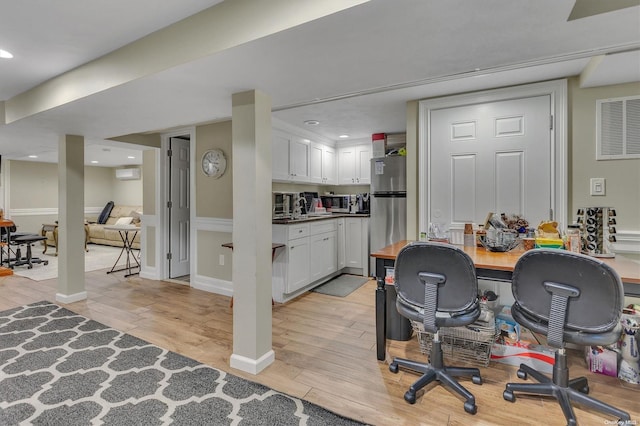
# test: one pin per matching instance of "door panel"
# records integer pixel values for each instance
(179, 224)
(497, 157)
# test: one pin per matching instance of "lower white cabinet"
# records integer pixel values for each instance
(298, 267)
(342, 260)
(323, 253)
(353, 243)
(316, 251)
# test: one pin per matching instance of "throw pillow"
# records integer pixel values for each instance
(136, 217)
(125, 220)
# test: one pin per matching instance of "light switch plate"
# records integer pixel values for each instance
(597, 186)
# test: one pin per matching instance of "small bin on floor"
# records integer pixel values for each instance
(470, 344)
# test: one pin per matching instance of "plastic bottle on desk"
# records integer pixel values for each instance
(469, 239)
(574, 242)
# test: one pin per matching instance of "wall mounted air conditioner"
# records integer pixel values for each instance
(128, 174)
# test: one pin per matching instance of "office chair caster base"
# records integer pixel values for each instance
(470, 407)
(477, 380)
(509, 396)
(393, 367)
(410, 397)
(522, 374)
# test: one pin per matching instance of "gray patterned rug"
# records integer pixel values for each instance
(60, 368)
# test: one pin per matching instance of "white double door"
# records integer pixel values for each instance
(491, 157)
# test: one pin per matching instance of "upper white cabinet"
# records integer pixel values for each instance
(322, 164)
(354, 166)
(290, 158)
(280, 157)
(299, 161)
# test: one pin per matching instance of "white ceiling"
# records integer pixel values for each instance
(353, 70)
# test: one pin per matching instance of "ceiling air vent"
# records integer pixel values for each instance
(618, 128)
(128, 174)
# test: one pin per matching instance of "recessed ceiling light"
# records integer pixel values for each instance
(131, 157)
(33, 156)
(343, 136)
(5, 54)
(311, 122)
(94, 161)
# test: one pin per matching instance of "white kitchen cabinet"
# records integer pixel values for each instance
(290, 158)
(329, 168)
(322, 164)
(341, 248)
(354, 165)
(357, 245)
(280, 157)
(291, 265)
(353, 243)
(298, 268)
(316, 251)
(323, 256)
(299, 160)
(323, 248)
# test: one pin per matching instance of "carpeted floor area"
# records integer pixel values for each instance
(342, 285)
(98, 257)
(58, 367)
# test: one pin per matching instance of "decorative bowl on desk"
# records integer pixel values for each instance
(500, 247)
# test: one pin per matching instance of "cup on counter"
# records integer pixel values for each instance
(528, 243)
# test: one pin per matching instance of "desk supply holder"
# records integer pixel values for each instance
(598, 230)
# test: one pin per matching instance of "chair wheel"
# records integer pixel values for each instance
(509, 396)
(29, 267)
(477, 380)
(46, 262)
(584, 389)
(522, 374)
(410, 397)
(470, 407)
(393, 367)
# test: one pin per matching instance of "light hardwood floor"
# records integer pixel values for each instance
(325, 352)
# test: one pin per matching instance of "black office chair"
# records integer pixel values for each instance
(568, 297)
(437, 286)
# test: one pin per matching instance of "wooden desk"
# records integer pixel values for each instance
(489, 266)
(274, 247)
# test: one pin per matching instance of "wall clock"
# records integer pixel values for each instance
(214, 163)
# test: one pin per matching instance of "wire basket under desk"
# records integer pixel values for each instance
(470, 344)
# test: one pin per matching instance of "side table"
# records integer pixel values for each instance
(53, 227)
(127, 249)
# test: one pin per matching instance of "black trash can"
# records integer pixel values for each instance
(398, 327)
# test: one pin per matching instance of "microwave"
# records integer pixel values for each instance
(336, 203)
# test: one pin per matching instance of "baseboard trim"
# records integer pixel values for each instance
(212, 285)
(252, 366)
(70, 298)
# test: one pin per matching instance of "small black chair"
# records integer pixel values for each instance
(28, 259)
(568, 297)
(437, 286)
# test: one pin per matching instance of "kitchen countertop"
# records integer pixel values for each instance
(315, 218)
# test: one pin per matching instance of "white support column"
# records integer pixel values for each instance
(251, 162)
(71, 219)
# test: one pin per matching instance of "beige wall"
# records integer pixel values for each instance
(214, 197)
(149, 181)
(210, 249)
(622, 176)
(34, 185)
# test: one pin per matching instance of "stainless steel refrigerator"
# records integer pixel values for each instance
(388, 220)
